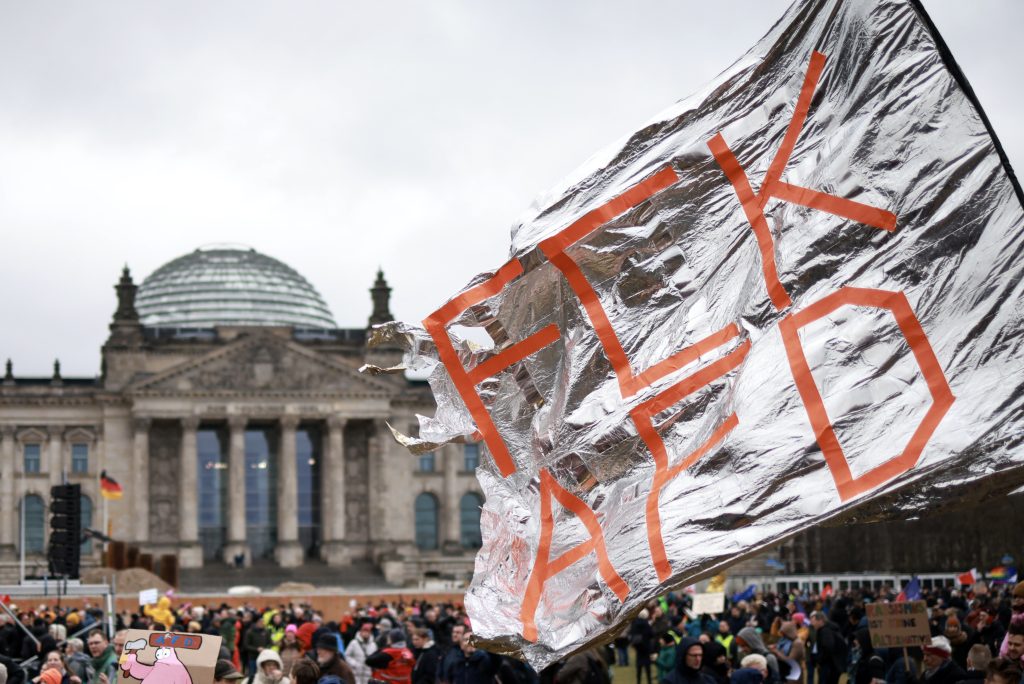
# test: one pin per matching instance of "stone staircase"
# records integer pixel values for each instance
(267, 575)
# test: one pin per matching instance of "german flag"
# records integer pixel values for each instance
(109, 487)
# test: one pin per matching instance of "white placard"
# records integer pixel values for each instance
(712, 604)
(148, 597)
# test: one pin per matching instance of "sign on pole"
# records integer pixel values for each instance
(898, 624)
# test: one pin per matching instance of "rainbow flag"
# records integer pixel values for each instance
(1003, 574)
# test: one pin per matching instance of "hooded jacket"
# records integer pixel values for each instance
(755, 644)
(682, 673)
(269, 655)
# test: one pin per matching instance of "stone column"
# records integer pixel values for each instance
(190, 553)
(8, 519)
(288, 551)
(140, 478)
(236, 492)
(332, 489)
(449, 514)
(55, 455)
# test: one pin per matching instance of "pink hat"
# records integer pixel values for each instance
(291, 629)
(799, 618)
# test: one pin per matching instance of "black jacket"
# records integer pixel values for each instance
(831, 647)
(428, 665)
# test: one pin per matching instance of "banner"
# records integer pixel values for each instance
(791, 295)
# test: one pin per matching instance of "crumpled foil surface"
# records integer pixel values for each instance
(795, 293)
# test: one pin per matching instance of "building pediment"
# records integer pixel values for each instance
(266, 365)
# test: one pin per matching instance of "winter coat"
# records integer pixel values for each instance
(268, 655)
(428, 665)
(682, 673)
(755, 644)
(256, 639)
(356, 654)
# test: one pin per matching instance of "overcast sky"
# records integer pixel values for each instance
(337, 136)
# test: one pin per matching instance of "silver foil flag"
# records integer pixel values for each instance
(793, 297)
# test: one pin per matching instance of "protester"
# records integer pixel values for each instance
(689, 661)
(290, 649)
(453, 656)
(304, 671)
(961, 638)
(78, 663)
(939, 667)
(1002, 671)
(255, 640)
(1014, 642)
(269, 669)
(54, 662)
(104, 658)
(665, 661)
(224, 672)
(753, 670)
(978, 659)
(428, 658)
(475, 666)
(829, 649)
(359, 649)
(750, 642)
(586, 667)
(641, 638)
(789, 652)
(395, 662)
(330, 662)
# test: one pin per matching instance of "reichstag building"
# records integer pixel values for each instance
(230, 408)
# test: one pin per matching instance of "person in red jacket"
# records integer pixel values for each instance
(395, 663)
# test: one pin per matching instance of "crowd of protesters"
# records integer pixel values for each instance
(791, 638)
(812, 639)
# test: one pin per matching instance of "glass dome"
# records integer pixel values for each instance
(229, 285)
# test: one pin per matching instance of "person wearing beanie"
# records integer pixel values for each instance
(50, 676)
(961, 638)
(939, 667)
(289, 648)
(330, 662)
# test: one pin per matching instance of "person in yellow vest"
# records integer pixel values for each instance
(726, 640)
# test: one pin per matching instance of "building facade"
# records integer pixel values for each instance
(230, 408)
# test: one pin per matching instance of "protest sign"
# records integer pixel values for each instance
(893, 625)
(712, 604)
(168, 657)
(148, 597)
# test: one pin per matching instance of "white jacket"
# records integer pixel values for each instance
(356, 654)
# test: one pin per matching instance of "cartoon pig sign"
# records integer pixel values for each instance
(169, 657)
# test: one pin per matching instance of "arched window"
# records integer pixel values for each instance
(86, 522)
(469, 521)
(33, 509)
(426, 521)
